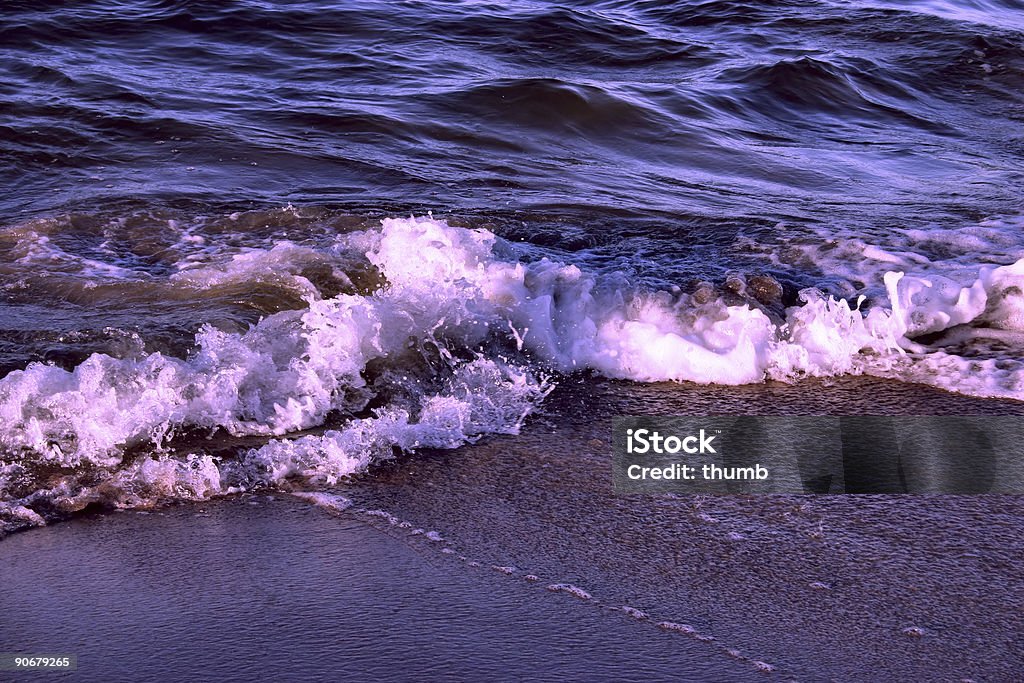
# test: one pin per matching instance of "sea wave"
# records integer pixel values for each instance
(457, 334)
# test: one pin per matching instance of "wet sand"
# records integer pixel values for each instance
(732, 588)
(272, 590)
(822, 587)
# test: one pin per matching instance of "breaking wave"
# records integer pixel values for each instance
(449, 334)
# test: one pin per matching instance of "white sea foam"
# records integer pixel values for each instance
(572, 590)
(329, 501)
(430, 346)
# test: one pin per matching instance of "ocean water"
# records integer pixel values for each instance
(246, 245)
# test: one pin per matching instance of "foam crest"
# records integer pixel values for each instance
(482, 397)
(442, 350)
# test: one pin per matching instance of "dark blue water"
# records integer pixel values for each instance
(692, 112)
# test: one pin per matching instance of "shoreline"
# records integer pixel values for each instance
(271, 588)
(814, 587)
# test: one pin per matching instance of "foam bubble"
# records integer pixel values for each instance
(329, 501)
(678, 628)
(572, 590)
